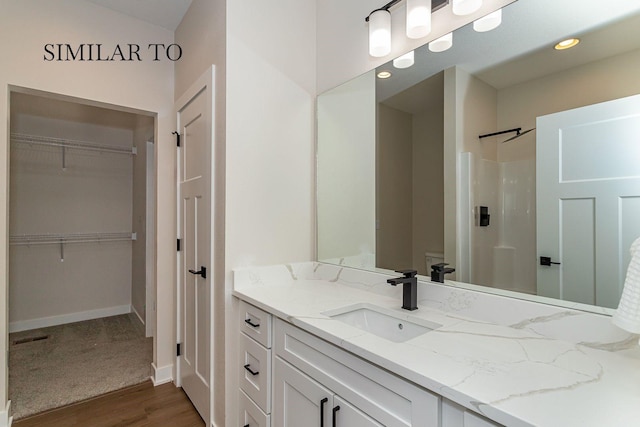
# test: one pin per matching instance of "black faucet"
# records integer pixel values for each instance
(438, 271)
(409, 288)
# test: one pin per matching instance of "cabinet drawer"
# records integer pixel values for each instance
(387, 398)
(256, 323)
(255, 371)
(250, 414)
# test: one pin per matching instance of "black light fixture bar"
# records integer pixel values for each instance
(435, 5)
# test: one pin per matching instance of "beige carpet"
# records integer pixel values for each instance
(77, 361)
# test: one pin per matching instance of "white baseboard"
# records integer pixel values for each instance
(133, 309)
(162, 375)
(5, 416)
(43, 322)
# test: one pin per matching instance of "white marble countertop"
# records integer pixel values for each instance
(516, 362)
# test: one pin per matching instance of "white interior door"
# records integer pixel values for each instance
(195, 260)
(588, 199)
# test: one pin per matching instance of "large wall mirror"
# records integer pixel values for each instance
(407, 176)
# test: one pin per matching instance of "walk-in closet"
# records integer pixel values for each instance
(81, 247)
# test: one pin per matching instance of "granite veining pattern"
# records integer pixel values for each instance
(516, 362)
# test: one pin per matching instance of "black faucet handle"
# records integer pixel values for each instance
(407, 273)
(439, 267)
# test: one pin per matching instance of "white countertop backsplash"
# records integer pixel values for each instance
(517, 362)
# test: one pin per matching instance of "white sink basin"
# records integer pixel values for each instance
(382, 322)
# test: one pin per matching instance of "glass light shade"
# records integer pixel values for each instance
(418, 18)
(489, 22)
(380, 33)
(441, 44)
(404, 61)
(465, 7)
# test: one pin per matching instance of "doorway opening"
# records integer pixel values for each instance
(81, 250)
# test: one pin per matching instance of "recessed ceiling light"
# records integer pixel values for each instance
(384, 74)
(566, 44)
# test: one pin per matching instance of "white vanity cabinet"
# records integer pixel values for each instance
(308, 370)
(254, 347)
(299, 400)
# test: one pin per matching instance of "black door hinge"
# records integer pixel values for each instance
(178, 349)
(178, 246)
(177, 134)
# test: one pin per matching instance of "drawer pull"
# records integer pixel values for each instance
(322, 402)
(250, 323)
(247, 367)
(335, 411)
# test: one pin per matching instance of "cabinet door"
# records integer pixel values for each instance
(298, 400)
(347, 415)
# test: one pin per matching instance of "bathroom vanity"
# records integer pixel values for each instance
(463, 358)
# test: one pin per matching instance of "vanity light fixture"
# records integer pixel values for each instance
(379, 33)
(404, 61)
(384, 74)
(465, 7)
(443, 43)
(418, 23)
(418, 18)
(489, 22)
(567, 44)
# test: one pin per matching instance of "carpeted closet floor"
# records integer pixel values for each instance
(76, 361)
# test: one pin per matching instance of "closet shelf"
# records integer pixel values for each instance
(44, 239)
(70, 143)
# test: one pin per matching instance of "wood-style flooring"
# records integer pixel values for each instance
(141, 405)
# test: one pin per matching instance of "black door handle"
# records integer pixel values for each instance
(545, 260)
(335, 411)
(202, 272)
(247, 367)
(322, 402)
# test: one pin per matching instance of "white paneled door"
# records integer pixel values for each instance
(588, 200)
(195, 260)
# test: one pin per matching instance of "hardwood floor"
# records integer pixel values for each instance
(141, 405)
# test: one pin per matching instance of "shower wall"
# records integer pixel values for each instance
(502, 253)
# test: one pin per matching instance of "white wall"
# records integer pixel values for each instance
(25, 26)
(270, 173)
(346, 190)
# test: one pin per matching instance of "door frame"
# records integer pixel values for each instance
(150, 233)
(205, 81)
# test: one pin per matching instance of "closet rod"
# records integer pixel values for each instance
(69, 143)
(45, 239)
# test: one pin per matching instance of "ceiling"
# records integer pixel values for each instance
(163, 13)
